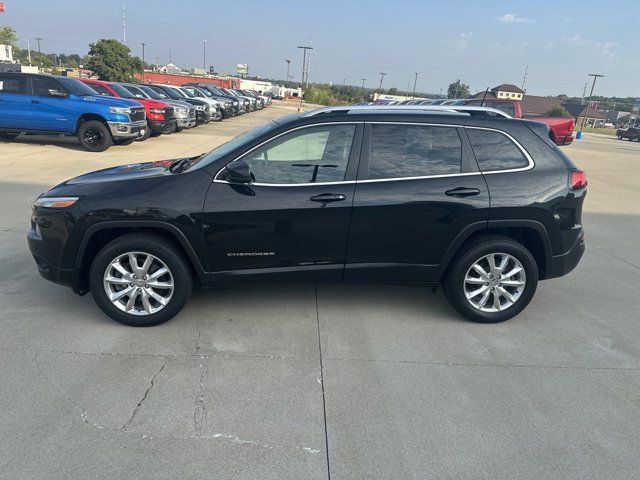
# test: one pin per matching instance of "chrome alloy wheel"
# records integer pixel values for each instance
(494, 282)
(138, 283)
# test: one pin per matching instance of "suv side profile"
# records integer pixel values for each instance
(484, 205)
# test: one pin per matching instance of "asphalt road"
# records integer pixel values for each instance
(296, 382)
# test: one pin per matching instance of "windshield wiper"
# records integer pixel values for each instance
(183, 164)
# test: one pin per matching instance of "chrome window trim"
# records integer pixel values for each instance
(341, 182)
(531, 163)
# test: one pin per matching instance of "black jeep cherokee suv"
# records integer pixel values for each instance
(484, 205)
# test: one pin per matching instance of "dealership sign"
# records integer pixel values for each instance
(242, 69)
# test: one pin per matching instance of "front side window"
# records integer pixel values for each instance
(46, 87)
(495, 151)
(309, 155)
(402, 151)
(13, 84)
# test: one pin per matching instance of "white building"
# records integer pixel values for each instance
(268, 87)
(6, 53)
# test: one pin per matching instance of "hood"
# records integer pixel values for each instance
(110, 101)
(151, 103)
(123, 172)
(177, 103)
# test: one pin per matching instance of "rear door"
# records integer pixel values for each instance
(291, 224)
(50, 106)
(15, 103)
(418, 187)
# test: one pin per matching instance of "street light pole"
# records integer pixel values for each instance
(204, 56)
(288, 64)
(593, 85)
(143, 44)
(415, 80)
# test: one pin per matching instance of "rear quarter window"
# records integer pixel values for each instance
(495, 151)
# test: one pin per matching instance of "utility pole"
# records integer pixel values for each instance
(204, 56)
(593, 85)
(382, 75)
(143, 44)
(584, 92)
(415, 80)
(124, 28)
(305, 71)
(38, 39)
(169, 54)
(288, 64)
(29, 51)
(524, 78)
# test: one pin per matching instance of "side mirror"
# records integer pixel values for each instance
(238, 172)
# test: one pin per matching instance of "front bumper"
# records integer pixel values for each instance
(127, 129)
(160, 126)
(559, 265)
(186, 122)
(203, 116)
(42, 252)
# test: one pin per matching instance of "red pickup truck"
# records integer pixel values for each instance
(160, 117)
(560, 128)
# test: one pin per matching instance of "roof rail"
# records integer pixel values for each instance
(452, 109)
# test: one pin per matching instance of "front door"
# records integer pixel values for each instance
(51, 108)
(15, 104)
(291, 223)
(418, 187)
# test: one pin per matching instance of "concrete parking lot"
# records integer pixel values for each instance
(304, 382)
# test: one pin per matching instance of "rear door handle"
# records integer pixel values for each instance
(462, 192)
(328, 197)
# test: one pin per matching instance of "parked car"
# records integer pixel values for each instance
(160, 116)
(203, 110)
(215, 105)
(52, 105)
(219, 94)
(631, 133)
(486, 206)
(184, 112)
(248, 102)
(560, 128)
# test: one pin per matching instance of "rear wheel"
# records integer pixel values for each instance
(94, 136)
(140, 280)
(492, 280)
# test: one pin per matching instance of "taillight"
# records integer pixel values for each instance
(578, 180)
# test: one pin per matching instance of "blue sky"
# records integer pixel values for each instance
(484, 43)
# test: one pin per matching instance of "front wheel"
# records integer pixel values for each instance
(8, 136)
(491, 280)
(140, 280)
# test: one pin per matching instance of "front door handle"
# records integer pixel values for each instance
(328, 197)
(462, 192)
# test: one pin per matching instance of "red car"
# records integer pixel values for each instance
(160, 117)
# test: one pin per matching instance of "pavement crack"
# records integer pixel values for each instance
(196, 345)
(240, 441)
(144, 397)
(199, 412)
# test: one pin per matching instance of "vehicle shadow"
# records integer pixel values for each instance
(71, 143)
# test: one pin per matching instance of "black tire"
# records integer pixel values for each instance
(163, 250)
(8, 136)
(453, 284)
(619, 137)
(94, 136)
(125, 141)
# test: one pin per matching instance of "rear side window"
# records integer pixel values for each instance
(399, 151)
(13, 84)
(495, 151)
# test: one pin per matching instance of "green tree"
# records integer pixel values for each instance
(112, 61)
(8, 36)
(558, 111)
(458, 90)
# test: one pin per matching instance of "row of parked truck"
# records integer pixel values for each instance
(103, 113)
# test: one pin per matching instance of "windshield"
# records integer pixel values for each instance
(204, 91)
(178, 92)
(156, 95)
(76, 86)
(187, 92)
(120, 90)
(231, 145)
(169, 92)
(135, 91)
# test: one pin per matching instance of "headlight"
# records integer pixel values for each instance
(200, 107)
(120, 110)
(55, 202)
(159, 111)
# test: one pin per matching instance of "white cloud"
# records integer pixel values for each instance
(607, 49)
(463, 40)
(512, 18)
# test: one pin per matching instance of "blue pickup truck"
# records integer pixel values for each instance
(52, 105)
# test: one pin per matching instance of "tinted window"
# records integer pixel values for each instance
(413, 151)
(45, 87)
(120, 90)
(495, 151)
(100, 89)
(13, 84)
(314, 154)
(75, 86)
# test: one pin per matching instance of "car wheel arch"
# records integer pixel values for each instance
(98, 235)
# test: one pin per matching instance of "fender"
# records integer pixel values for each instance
(466, 233)
(175, 232)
